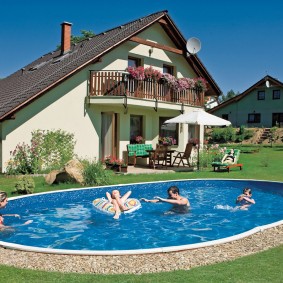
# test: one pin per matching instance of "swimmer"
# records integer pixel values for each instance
(245, 199)
(118, 201)
(3, 203)
(180, 204)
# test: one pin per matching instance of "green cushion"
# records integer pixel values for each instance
(139, 149)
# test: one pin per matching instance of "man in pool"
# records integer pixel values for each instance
(180, 204)
(245, 199)
(118, 201)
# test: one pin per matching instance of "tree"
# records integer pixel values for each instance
(85, 34)
(230, 94)
(78, 38)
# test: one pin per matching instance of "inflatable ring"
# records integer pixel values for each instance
(103, 205)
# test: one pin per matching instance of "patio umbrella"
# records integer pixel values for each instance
(198, 117)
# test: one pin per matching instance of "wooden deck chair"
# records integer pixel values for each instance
(184, 156)
(158, 157)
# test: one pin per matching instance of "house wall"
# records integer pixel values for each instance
(238, 111)
(65, 107)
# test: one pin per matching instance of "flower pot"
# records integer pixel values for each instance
(124, 169)
(108, 166)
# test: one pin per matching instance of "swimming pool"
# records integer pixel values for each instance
(66, 222)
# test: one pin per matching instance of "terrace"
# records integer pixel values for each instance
(119, 84)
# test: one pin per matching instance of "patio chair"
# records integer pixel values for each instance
(184, 156)
(228, 164)
(158, 157)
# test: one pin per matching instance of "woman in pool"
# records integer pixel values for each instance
(118, 201)
(180, 204)
(245, 199)
(3, 203)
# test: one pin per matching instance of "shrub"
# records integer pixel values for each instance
(94, 174)
(243, 134)
(48, 150)
(208, 154)
(24, 160)
(25, 185)
(227, 134)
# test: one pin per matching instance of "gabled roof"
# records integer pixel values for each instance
(25, 85)
(261, 83)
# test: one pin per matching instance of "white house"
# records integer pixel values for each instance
(83, 89)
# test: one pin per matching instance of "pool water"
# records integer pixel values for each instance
(67, 219)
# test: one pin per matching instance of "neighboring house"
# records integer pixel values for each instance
(261, 105)
(83, 89)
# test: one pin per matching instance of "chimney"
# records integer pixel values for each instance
(65, 37)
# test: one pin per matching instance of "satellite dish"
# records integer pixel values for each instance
(267, 83)
(193, 45)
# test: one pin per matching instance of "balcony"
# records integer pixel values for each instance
(115, 83)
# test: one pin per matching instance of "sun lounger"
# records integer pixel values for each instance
(217, 166)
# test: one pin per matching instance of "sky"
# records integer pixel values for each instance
(241, 40)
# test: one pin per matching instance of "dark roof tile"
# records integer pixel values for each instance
(52, 67)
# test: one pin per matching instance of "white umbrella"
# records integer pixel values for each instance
(198, 117)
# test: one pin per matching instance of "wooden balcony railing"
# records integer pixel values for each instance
(115, 83)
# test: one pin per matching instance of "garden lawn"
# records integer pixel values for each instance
(262, 267)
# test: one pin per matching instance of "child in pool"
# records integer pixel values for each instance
(180, 204)
(118, 201)
(245, 199)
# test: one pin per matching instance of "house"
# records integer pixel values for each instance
(84, 89)
(261, 105)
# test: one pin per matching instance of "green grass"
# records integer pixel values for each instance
(262, 267)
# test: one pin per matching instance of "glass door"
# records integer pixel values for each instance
(109, 139)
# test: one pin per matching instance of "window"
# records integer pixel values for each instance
(169, 130)
(225, 117)
(136, 125)
(261, 95)
(254, 118)
(168, 69)
(276, 94)
(134, 62)
(277, 120)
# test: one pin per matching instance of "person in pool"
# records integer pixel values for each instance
(118, 201)
(245, 199)
(180, 203)
(3, 203)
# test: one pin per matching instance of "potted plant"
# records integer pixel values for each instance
(200, 84)
(107, 162)
(151, 74)
(194, 141)
(166, 141)
(124, 167)
(139, 139)
(136, 72)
